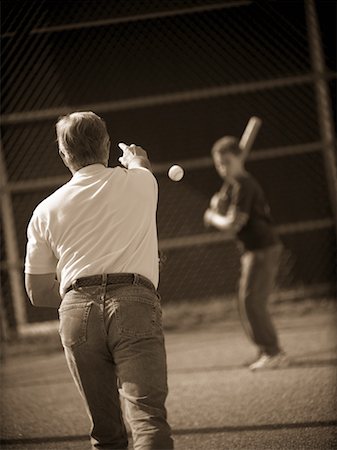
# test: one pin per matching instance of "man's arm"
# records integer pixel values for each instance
(40, 266)
(43, 290)
(140, 162)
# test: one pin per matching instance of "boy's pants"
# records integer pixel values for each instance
(258, 272)
(113, 338)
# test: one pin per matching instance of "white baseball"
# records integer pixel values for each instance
(176, 173)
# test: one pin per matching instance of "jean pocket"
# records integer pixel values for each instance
(73, 324)
(136, 317)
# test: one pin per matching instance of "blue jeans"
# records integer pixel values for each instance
(114, 344)
(258, 272)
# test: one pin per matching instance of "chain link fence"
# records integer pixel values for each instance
(174, 76)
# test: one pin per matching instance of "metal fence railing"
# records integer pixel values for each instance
(175, 76)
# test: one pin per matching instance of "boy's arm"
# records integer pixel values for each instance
(232, 222)
(238, 212)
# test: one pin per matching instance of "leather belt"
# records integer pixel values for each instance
(112, 279)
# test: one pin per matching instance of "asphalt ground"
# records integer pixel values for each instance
(214, 401)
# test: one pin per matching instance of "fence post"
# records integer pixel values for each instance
(323, 99)
(13, 259)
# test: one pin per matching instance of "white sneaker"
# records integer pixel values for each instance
(265, 362)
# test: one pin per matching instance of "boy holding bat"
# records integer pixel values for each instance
(240, 208)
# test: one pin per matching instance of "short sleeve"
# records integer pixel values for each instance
(243, 196)
(40, 258)
(145, 182)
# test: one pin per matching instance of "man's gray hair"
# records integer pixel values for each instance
(84, 138)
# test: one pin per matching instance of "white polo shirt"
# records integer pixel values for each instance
(102, 221)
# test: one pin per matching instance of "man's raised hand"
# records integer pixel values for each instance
(130, 152)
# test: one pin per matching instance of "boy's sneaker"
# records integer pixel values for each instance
(251, 361)
(265, 362)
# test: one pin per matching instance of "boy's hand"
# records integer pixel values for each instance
(208, 218)
(214, 201)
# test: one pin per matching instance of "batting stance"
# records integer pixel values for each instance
(240, 208)
(98, 234)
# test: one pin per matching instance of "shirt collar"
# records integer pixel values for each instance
(89, 170)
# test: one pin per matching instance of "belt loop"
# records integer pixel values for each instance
(135, 278)
(103, 286)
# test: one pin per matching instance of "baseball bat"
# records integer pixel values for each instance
(249, 135)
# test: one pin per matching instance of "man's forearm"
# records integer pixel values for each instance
(51, 298)
(140, 162)
(55, 298)
(48, 298)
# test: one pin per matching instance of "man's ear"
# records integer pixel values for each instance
(64, 157)
(61, 153)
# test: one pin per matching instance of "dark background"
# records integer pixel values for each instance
(134, 59)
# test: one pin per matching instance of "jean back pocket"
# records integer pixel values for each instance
(136, 317)
(73, 323)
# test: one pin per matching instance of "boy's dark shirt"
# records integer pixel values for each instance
(247, 196)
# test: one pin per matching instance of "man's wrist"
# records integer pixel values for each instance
(140, 161)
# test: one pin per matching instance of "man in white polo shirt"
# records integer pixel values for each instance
(92, 252)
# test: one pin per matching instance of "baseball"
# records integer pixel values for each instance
(176, 173)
